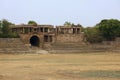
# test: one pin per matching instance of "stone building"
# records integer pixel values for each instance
(44, 35)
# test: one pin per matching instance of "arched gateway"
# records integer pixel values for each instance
(35, 41)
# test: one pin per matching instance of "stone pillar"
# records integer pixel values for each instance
(28, 30)
(48, 38)
(39, 29)
(23, 31)
(51, 40)
(71, 30)
(63, 30)
(79, 30)
(43, 30)
(76, 30)
(48, 30)
(57, 30)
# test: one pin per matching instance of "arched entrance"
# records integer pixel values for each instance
(34, 41)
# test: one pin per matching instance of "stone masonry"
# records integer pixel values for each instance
(43, 36)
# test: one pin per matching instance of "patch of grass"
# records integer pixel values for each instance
(107, 74)
(91, 74)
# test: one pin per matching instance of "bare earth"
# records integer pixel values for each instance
(84, 66)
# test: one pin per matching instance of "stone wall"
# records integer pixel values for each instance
(117, 42)
(12, 45)
(69, 38)
(107, 45)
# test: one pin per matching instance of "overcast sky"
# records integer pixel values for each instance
(56, 12)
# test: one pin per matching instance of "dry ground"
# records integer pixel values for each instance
(84, 66)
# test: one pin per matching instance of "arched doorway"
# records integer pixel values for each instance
(34, 41)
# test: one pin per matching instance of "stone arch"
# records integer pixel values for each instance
(34, 41)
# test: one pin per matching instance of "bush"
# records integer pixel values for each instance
(92, 35)
(11, 35)
(5, 31)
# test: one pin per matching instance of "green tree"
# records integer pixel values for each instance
(92, 35)
(0, 27)
(110, 29)
(0, 23)
(79, 25)
(68, 23)
(31, 22)
(6, 31)
(5, 27)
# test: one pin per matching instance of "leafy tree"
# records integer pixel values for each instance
(0, 23)
(79, 25)
(0, 27)
(6, 31)
(71, 24)
(109, 29)
(92, 35)
(5, 27)
(68, 23)
(31, 22)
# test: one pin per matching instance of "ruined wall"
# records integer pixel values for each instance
(69, 38)
(117, 42)
(25, 38)
(107, 45)
(12, 45)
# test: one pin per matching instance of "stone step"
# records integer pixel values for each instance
(69, 46)
(78, 47)
(74, 51)
(13, 45)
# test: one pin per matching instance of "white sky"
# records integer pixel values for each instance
(56, 12)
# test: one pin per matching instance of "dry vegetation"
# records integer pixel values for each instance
(93, 66)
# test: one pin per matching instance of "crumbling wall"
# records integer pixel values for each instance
(69, 38)
(117, 42)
